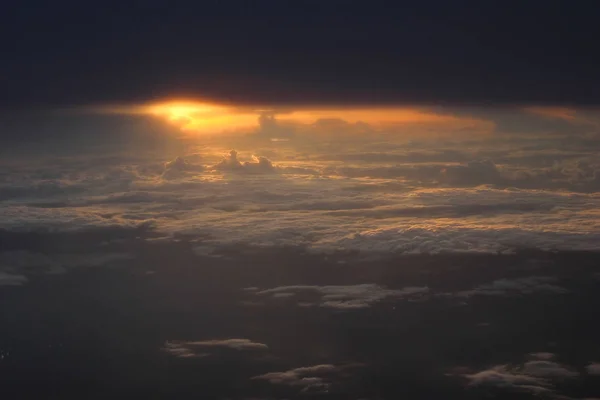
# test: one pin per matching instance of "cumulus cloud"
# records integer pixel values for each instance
(259, 165)
(179, 166)
(346, 297)
(516, 287)
(316, 377)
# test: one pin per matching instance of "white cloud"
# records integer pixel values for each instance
(347, 297)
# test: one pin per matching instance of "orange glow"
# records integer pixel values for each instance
(384, 117)
(199, 117)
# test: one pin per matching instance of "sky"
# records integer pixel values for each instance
(300, 199)
(381, 125)
(67, 53)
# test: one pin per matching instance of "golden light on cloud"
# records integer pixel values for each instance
(553, 112)
(571, 115)
(199, 117)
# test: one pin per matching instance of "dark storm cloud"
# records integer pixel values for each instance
(434, 51)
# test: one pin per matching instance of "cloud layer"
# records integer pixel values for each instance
(368, 194)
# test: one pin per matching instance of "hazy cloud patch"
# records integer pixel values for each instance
(7, 279)
(51, 263)
(314, 378)
(542, 356)
(593, 369)
(347, 297)
(504, 377)
(517, 287)
(237, 344)
(193, 349)
(181, 350)
(537, 377)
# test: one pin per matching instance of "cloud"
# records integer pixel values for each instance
(311, 378)
(330, 196)
(400, 121)
(593, 369)
(237, 344)
(542, 356)
(579, 176)
(535, 377)
(516, 287)
(503, 377)
(474, 173)
(179, 166)
(553, 112)
(402, 155)
(181, 350)
(190, 349)
(548, 369)
(571, 115)
(50, 263)
(346, 297)
(7, 279)
(269, 127)
(259, 165)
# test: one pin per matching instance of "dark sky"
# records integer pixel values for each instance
(298, 52)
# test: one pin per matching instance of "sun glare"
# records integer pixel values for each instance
(201, 117)
(177, 110)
